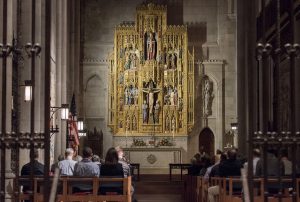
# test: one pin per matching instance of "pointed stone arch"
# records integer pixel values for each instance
(94, 96)
(207, 141)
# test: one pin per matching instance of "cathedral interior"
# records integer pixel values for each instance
(163, 79)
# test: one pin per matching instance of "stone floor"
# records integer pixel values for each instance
(158, 188)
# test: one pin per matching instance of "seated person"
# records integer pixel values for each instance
(110, 168)
(85, 168)
(55, 165)
(196, 165)
(96, 160)
(275, 167)
(122, 160)
(38, 169)
(66, 166)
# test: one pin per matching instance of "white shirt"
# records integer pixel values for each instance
(66, 167)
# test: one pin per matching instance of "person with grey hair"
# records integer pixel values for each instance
(122, 160)
(66, 166)
(55, 165)
(96, 159)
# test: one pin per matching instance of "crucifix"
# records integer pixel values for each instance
(150, 91)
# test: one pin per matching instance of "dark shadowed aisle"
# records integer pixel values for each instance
(158, 188)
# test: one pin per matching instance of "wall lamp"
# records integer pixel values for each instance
(64, 111)
(80, 127)
(234, 126)
(28, 90)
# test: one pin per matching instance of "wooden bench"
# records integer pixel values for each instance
(190, 186)
(99, 189)
(230, 189)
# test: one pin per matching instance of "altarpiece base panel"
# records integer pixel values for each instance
(154, 160)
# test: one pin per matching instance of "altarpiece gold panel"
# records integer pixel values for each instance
(151, 81)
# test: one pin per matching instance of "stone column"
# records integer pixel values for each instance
(246, 69)
(61, 72)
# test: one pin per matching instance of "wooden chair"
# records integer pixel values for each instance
(190, 186)
(199, 189)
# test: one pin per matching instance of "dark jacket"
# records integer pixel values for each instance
(230, 167)
(274, 166)
(38, 169)
(112, 170)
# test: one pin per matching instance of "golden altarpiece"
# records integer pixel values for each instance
(151, 81)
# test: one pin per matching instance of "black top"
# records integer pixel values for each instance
(215, 172)
(38, 169)
(112, 170)
(230, 168)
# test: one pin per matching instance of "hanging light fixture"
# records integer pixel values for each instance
(80, 127)
(64, 111)
(28, 91)
(234, 126)
(80, 124)
(82, 134)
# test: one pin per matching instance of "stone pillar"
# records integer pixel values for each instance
(11, 25)
(246, 69)
(61, 73)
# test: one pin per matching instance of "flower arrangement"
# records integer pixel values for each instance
(138, 142)
(165, 142)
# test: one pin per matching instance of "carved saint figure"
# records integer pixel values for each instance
(134, 125)
(169, 61)
(133, 59)
(167, 124)
(172, 95)
(131, 95)
(207, 96)
(136, 95)
(127, 61)
(163, 57)
(145, 112)
(126, 93)
(175, 96)
(173, 123)
(156, 112)
(151, 46)
(127, 123)
(173, 61)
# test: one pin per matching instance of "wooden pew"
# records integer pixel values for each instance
(200, 190)
(190, 188)
(66, 191)
(231, 190)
